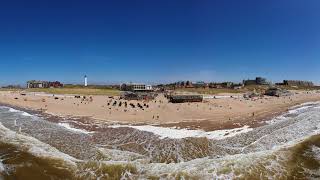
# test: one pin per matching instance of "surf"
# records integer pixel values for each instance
(270, 151)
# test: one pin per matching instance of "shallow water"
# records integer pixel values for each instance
(32, 147)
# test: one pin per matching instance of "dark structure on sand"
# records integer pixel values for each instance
(185, 98)
(277, 92)
(127, 95)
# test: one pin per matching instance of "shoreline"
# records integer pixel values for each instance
(85, 125)
(205, 124)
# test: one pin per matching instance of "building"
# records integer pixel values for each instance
(257, 81)
(85, 81)
(44, 84)
(55, 84)
(37, 84)
(199, 84)
(296, 83)
(225, 85)
(183, 84)
(136, 87)
(237, 86)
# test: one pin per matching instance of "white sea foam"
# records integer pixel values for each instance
(316, 152)
(2, 169)
(13, 110)
(20, 112)
(227, 167)
(299, 109)
(293, 130)
(172, 133)
(26, 114)
(295, 110)
(307, 104)
(67, 126)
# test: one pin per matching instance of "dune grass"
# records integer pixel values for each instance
(209, 91)
(78, 91)
(10, 89)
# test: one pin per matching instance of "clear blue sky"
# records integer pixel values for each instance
(159, 40)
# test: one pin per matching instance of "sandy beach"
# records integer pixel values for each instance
(225, 111)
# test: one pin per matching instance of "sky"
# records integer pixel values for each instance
(159, 41)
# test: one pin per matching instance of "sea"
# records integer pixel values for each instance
(34, 146)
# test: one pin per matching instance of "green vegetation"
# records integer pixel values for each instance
(153, 178)
(10, 89)
(77, 90)
(77, 86)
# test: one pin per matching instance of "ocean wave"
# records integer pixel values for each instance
(173, 133)
(67, 126)
(13, 110)
(23, 113)
(32, 145)
(295, 110)
(264, 152)
(26, 114)
(303, 107)
(2, 168)
(316, 152)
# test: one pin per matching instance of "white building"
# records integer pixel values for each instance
(136, 87)
(85, 81)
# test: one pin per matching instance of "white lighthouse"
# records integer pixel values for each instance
(85, 81)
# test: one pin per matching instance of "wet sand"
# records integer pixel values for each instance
(212, 114)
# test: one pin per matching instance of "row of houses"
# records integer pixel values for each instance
(249, 82)
(44, 84)
(263, 81)
(257, 81)
(135, 87)
(296, 83)
(201, 84)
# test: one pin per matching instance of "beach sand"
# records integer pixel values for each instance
(212, 114)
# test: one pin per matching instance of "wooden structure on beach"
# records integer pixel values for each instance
(138, 96)
(277, 92)
(185, 98)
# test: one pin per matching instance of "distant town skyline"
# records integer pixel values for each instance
(159, 41)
